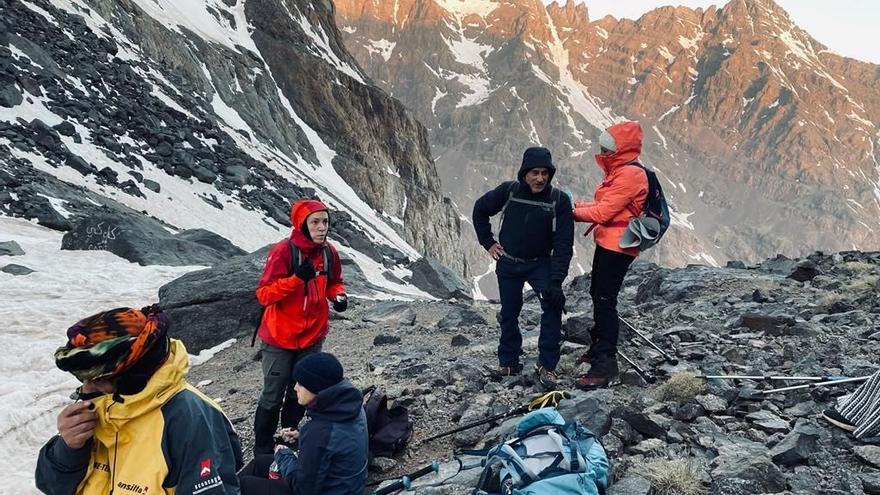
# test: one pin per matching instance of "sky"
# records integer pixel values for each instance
(846, 27)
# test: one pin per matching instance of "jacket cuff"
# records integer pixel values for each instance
(66, 458)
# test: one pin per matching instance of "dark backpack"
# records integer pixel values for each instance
(295, 260)
(389, 429)
(656, 205)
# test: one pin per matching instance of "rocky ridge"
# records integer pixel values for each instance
(764, 140)
(813, 316)
(204, 119)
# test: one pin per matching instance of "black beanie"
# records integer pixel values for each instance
(318, 371)
(536, 157)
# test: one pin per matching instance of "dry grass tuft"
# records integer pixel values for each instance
(671, 477)
(680, 387)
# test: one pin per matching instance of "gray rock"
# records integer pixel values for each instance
(65, 128)
(458, 317)
(796, 447)
(772, 324)
(214, 241)
(648, 447)
(380, 340)
(577, 330)
(10, 96)
(383, 464)
(152, 185)
(210, 306)
(750, 464)
(387, 312)
(17, 270)
(436, 279)
(768, 422)
(10, 248)
(631, 485)
(592, 410)
(871, 483)
(80, 165)
(869, 454)
(460, 341)
(804, 271)
(651, 425)
(735, 486)
(138, 239)
(712, 403)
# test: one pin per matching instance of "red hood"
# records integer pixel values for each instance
(628, 137)
(298, 214)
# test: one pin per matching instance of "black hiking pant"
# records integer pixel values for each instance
(609, 270)
(512, 277)
(254, 478)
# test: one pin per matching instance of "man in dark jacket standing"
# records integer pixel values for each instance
(534, 245)
(333, 444)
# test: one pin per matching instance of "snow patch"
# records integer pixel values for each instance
(206, 354)
(383, 48)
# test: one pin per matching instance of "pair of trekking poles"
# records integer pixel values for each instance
(549, 399)
(645, 374)
(815, 381)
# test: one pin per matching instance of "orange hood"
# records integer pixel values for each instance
(628, 137)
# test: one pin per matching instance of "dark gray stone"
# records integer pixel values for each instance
(649, 425)
(210, 306)
(137, 238)
(14, 269)
(77, 163)
(461, 317)
(871, 483)
(631, 485)
(796, 447)
(577, 330)
(380, 340)
(804, 271)
(10, 248)
(386, 312)
(214, 241)
(749, 463)
(772, 324)
(431, 276)
(460, 341)
(10, 96)
(869, 454)
(152, 185)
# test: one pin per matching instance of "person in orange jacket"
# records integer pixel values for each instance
(619, 198)
(294, 295)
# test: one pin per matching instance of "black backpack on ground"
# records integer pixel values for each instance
(389, 429)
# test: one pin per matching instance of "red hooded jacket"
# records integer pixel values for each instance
(621, 195)
(295, 313)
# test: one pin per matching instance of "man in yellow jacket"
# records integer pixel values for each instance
(137, 427)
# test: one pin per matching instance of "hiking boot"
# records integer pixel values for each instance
(587, 357)
(546, 378)
(587, 382)
(503, 371)
(837, 419)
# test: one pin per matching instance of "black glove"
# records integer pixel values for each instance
(305, 271)
(555, 297)
(340, 304)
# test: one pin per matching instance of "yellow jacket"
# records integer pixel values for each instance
(169, 438)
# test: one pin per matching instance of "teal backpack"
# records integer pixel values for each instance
(546, 456)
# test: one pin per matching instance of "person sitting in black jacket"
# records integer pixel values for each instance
(333, 444)
(534, 245)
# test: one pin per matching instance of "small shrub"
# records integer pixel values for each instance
(671, 477)
(680, 387)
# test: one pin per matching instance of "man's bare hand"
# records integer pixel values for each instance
(76, 424)
(496, 251)
(289, 435)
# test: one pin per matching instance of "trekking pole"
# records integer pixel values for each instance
(771, 378)
(405, 482)
(545, 400)
(647, 376)
(818, 384)
(673, 361)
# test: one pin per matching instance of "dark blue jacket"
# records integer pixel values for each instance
(527, 230)
(333, 445)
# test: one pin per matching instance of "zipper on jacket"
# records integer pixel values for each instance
(113, 467)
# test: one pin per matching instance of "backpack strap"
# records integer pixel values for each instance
(511, 190)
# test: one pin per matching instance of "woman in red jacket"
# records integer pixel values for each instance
(295, 295)
(619, 198)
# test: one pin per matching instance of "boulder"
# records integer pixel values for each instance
(750, 463)
(10, 248)
(214, 241)
(138, 239)
(804, 271)
(14, 269)
(431, 276)
(577, 330)
(796, 447)
(458, 317)
(869, 454)
(208, 307)
(631, 485)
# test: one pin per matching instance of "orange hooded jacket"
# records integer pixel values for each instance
(621, 195)
(295, 313)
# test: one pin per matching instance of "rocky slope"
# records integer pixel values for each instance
(212, 115)
(765, 141)
(816, 316)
